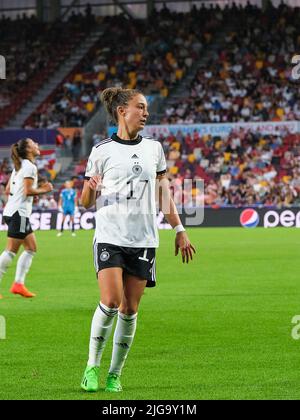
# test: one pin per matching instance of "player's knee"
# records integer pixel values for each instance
(31, 249)
(111, 303)
(13, 249)
(129, 309)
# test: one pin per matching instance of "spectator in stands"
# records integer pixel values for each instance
(5, 170)
(59, 141)
(76, 144)
(47, 203)
(53, 205)
(43, 203)
(68, 142)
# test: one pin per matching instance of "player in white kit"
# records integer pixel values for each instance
(121, 178)
(22, 186)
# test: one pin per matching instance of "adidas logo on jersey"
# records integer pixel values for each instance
(134, 157)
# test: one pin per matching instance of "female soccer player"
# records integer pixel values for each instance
(23, 185)
(68, 203)
(126, 168)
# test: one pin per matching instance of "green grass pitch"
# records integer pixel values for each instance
(218, 328)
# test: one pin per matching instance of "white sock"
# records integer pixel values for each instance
(5, 260)
(123, 338)
(100, 332)
(23, 266)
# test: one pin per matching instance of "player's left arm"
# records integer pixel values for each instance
(30, 191)
(167, 206)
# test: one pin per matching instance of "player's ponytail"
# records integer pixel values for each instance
(113, 97)
(18, 152)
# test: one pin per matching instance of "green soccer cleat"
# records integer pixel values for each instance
(113, 383)
(90, 380)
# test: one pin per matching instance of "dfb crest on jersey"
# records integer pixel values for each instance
(137, 170)
(104, 256)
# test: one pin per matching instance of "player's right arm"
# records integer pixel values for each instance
(30, 191)
(30, 173)
(90, 187)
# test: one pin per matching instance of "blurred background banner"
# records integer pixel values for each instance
(222, 130)
(42, 136)
(213, 217)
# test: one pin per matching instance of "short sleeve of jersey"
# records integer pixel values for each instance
(29, 170)
(162, 164)
(94, 165)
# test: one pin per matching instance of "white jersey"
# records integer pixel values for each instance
(126, 207)
(17, 201)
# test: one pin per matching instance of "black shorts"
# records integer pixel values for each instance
(18, 226)
(138, 262)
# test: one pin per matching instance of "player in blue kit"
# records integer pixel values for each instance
(68, 203)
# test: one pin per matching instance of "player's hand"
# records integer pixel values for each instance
(95, 183)
(183, 244)
(48, 187)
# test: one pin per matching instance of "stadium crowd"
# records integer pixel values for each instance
(151, 55)
(249, 78)
(243, 169)
(30, 49)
